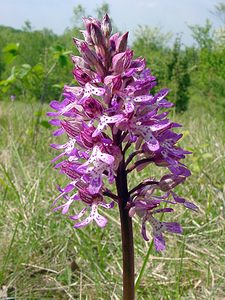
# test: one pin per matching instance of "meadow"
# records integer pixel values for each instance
(43, 257)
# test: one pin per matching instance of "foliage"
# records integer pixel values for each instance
(203, 35)
(78, 13)
(179, 76)
(29, 74)
(151, 38)
(102, 10)
(219, 11)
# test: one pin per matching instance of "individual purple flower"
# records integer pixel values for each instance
(146, 204)
(158, 228)
(93, 201)
(13, 98)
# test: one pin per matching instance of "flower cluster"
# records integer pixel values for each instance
(109, 111)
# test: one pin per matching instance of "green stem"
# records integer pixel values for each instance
(137, 283)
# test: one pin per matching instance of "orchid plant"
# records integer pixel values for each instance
(108, 113)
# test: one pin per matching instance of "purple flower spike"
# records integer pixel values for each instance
(111, 108)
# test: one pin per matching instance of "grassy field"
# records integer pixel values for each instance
(43, 257)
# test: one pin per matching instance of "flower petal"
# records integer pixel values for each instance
(191, 206)
(104, 120)
(79, 215)
(159, 242)
(100, 220)
(95, 183)
(143, 231)
(173, 227)
(91, 89)
(107, 205)
(83, 223)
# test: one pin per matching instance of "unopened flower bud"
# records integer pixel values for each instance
(106, 26)
(96, 35)
(132, 211)
(79, 61)
(121, 43)
(169, 181)
(114, 81)
(121, 61)
(86, 137)
(88, 55)
(87, 24)
(85, 51)
(87, 37)
(112, 41)
(81, 76)
(92, 107)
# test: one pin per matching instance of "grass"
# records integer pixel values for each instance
(43, 257)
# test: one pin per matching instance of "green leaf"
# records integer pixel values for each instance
(58, 48)
(62, 60)
(24, 71)
(38, 69)
(58, 86)
(45, 124)
(10, 52)
(38, 113)
(13, 49)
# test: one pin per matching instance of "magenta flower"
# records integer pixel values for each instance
(111, 110)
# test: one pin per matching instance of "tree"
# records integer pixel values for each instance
(203, 35)
(78, 13)
(219, 34)
(27, 26)
(219, 11)
(178, 75)
(151, 37)
(102, 10)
